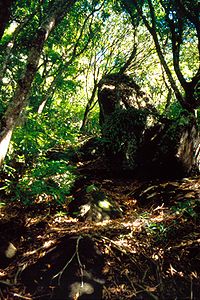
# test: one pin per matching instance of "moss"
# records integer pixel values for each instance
(124, 130)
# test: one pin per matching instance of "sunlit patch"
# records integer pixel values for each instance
(49, 28)
(110, 87)
(84, 209)
(4, 144)
(105, 204)
(194, 275)
(2, 273)
(172, 271)
(10, 251)
(45, 246)
(78, 289)
(158, 254)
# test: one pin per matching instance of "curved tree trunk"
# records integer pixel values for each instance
(188, 99)
(13, 113)
(89, 107)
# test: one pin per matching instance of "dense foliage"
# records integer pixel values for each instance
(53, 55)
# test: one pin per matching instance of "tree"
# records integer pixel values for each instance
(54, 14)
(64, 58)
(173, 25)
(169, 144)
(109, 52)
(51, 60)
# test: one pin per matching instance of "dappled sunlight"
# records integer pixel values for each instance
(99, 150)
(140, 256)
(43, 248)
(4, 143)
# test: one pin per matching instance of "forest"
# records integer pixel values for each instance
(100, 149)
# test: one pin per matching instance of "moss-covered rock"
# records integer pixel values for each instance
(166, 147)
(94, 205)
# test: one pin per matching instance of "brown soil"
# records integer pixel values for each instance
(152, 252)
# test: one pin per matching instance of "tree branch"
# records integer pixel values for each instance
(152, 30)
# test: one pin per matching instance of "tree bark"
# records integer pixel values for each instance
(188, 100)
(64, 66)
(54, 15)
(88, 107)
(11, 43)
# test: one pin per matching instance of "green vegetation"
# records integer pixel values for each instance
(99, 149)
(53, 56)
(187, 208)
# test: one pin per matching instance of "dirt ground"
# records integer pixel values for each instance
(152, 251)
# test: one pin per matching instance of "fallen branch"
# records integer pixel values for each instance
(6, 283)
(59, 274)
(21, 296)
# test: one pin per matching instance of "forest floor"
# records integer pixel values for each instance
(150, 251)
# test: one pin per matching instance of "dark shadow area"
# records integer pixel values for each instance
(73, 268)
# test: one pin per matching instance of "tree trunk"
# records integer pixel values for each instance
(189, 103)
(11, 43)
(13, 113)
(88, 107)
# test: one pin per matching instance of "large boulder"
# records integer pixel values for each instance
(170, 150)
(93, 204)
(119, 91)
(138, 139)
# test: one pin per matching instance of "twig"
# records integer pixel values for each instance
(28, 298)
(22, 297)
(6, 283)
(144, 275)
(132, 285)
(41, 296)
(19, 271)
(113, 243)
(159, 277)
(191, 288)
(59, 274)
(119, 249)
(146, 291)
(79, 262)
